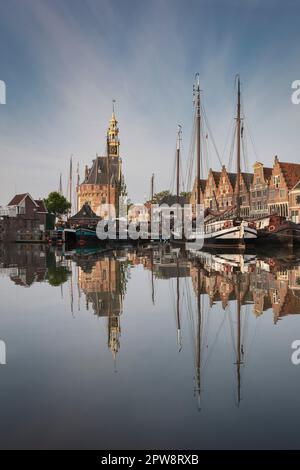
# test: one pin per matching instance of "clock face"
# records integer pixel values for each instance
(113, 150)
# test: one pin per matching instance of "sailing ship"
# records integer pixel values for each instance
(221, 230)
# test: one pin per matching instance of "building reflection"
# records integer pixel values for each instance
(261, 282)
(103, 281)
(24, 264)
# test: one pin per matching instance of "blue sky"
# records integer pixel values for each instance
(64, 61)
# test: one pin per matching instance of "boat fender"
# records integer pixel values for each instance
(271, 228)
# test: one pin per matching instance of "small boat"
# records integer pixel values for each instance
(81, 236)
(277, 229)
(69, 236)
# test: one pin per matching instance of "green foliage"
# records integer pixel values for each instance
(57, 276)
(159, 196)
(186, 194)
(57, 204)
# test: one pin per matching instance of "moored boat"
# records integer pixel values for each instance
(277, 229)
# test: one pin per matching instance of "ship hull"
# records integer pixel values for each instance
(287, 234)
(234, 236)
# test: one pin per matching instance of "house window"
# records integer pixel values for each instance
(298, 200)
(282, 193)
(295, 216)
(276, 181)
(272, 194)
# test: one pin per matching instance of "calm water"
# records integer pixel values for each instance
(148, 349)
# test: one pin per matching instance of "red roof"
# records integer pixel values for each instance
(17, 199)
(217, 177)
(291, 173)
(268, 173)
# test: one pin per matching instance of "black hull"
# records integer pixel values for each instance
(284, 236)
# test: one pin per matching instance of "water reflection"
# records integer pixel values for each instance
(197, 282)
(183, 331)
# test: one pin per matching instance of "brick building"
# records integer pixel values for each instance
(259, 190)
(211, 189)
(225, 190)
(294, 204)
(102, 181)
(285, 177)
(23, 219)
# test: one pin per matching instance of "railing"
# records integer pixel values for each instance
(8, 211)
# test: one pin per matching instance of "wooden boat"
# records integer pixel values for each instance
(277, 229)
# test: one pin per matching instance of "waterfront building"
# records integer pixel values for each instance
(211, 190)
(103, 180)
(226, 188)
(193, 198)
(24, 218)
(294, 203)
(245, 184)
(219, 190)
(259, 190)
(285, 177)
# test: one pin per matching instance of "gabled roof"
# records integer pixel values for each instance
(98, 172)
(297, 186)
(248, 178)
(202, 185)
(18, 198)
(291, 173)
(85, 213)
(41, 205)
(217, 176)
(267, 173)
(232, 178)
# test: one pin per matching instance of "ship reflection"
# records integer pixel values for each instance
(242, 285)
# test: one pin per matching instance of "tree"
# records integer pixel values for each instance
(57, 204)
(157, 197)
(186, 194)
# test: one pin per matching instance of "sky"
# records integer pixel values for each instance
(63, 61)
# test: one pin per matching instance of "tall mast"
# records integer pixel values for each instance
(60, 190)
(179, 132)
(108, 175)
(198, 341)
(77, 187)
(198, 133)
(152, 187)
(238, 133)
(71, 183)
(178, 306)
(239, 345)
